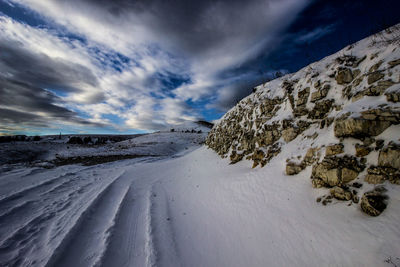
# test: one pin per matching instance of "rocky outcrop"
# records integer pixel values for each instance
(334, 149)
(333, 171)
(374, 202)
(388, 168)
(390, 156)
(339, 108)
(344, 76)
(359, 127)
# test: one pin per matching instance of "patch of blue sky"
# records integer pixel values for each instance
(114, 119)
(21, 14)
(170, 81)
(112, 59)
(202, 108)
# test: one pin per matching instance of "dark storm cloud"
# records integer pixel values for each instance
(24, 104)
(42, 71)
(24, 76)
(195, 27)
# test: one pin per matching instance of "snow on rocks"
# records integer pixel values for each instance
(348, 97)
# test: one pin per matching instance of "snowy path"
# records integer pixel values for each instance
(191, 211)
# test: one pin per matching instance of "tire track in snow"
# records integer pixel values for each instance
(126, 246)
(16, 213)
(151, 254)
(71, 238)
(161, 229)
(32, 190)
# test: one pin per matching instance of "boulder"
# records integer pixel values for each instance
(321, 109)
(393, 97)
(320, 93)
(311, 156)
(362, 150)
(382, 114)
(374, 202)
(317, 183)
(340, 193)
(377, 175)
(379, 89)
(344, 76)
(289, 134)
(294, 168)
(394, 63)
(302, 96)
(359, 127)
(337, 171)
(390, 156)
(334, 149)
(375, 76)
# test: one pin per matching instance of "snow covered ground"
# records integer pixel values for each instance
(188, 208)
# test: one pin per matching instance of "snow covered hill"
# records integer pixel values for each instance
(340, 115)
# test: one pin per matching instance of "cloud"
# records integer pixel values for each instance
(23, 104)
(141, 61)
(315, 34)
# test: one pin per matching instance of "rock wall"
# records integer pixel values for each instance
(347, 104)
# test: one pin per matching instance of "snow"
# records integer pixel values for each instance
(192, 210)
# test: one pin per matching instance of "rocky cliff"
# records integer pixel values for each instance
(339, 116)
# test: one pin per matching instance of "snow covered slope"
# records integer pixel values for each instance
(196, 210)
(340, 115)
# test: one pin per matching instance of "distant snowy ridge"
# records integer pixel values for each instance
(340, 115)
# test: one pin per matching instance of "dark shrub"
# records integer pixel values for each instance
(75, 140)
(87, 140)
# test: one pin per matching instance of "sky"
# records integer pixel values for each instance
(134, 66)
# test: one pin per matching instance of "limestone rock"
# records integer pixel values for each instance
(362, 150)
(257, 157)
(337, 170)
(321, 109)
(375, 178)
(357, 81)
(394, 63)
(375, 67)
(358, 127)
(334, 149)
(303, 96)
(340, 193)
(311, 156)
(317, 183)
(320, 93)
(344, 76)
(382, 114)
(378, 174)
(393, 97)
(390, 156)
(374, 90)
(289, 134)
(375, 76)
(293, 168)
(236, 157)
(374, 202)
